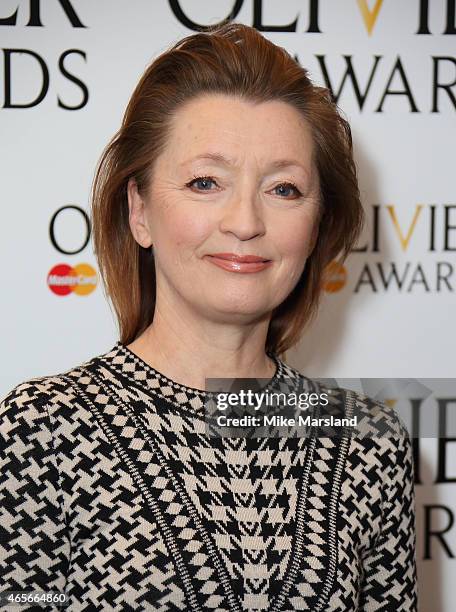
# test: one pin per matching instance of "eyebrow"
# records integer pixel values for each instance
(222, 159)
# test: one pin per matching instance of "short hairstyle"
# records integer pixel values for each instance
(235, 59)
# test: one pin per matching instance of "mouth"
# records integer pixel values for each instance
(239, 258)
(239, 263)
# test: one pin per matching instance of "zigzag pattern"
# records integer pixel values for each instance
(112, 490)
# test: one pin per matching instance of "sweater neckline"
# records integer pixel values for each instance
(143, 370)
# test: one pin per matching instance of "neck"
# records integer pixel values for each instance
(188, 349)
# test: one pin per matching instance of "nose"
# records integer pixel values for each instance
(243, 216)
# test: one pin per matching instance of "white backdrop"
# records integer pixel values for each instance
(390, 314)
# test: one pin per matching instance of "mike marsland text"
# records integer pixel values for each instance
(282, 421)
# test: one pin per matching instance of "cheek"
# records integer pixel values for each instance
(295, 239)
(185, 228)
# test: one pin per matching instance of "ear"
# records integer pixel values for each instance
(137, 215)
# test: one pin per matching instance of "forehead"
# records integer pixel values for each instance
(239, 128)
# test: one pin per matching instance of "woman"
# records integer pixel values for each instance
(227, 190)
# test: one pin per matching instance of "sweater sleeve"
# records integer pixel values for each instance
(34, 546)
(389, 567)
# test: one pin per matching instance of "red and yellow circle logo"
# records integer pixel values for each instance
(64, 279)
(334, 277)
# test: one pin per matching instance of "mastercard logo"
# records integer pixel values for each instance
(334, 277)
(64, 279)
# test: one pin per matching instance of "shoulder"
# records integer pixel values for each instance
(25, 405)
(381, 435)
(378, 430)
(374, 415)
(32, 402)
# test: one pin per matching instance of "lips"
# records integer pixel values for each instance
(239, 258)
(243, 264)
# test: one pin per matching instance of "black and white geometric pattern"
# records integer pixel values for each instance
(112, 491)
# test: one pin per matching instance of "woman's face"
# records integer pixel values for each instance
(245, 204)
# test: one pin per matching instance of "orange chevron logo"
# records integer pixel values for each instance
(369, 16)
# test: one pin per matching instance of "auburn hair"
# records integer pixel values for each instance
(230, 58)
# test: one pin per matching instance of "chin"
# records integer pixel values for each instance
(249, 309)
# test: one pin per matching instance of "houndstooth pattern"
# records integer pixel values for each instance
(112, 490)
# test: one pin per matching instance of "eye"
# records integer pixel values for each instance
(203, 180)
(286, 187)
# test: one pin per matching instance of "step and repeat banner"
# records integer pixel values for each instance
(67, 72)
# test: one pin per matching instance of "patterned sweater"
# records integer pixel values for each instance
(112, 491)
